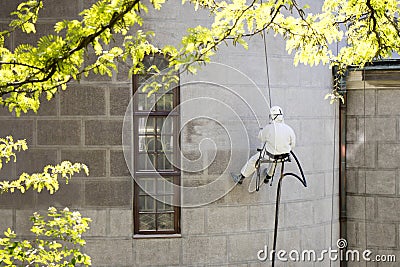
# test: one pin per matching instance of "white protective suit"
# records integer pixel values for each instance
(279, 138)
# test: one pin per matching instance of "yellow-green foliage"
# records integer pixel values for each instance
(58, 241)
(48, 179)
(8, 148)
(367, 30)
(58, 236)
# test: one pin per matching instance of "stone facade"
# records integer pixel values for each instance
(84, 124)
(372, 142)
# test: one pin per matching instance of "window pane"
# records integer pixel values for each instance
(161, 62)
(147, 204)
(142, 144)
(146, 103)
(166, 143)
(163, 162)
(158, 60)
(158, 144)
(147, 221)
(165, 102)
(148, 185)
(151, 144)
(147, 144)
(169, 101)
(162, 205)
(146, 125)
(146, 162)
(164, 185)
(164, 125)
(165, 221)
(148, 61)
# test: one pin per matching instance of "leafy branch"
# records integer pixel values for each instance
(62, 231)
(48, 179)
(27, 13)
(52, 64)
(29, 71)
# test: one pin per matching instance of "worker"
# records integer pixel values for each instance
(278, 138)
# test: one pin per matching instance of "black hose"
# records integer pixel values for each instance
(277, 204)
(303, 180)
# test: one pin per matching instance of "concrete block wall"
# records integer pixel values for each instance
(372, 172)
(83, 124)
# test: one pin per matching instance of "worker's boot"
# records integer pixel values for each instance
(267, 179)
(267, 176)
(237, 178)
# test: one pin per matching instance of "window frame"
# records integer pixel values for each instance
(175, 173)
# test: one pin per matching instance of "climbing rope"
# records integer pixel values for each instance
(333, 176)
(267, 67)
(336, 84)
(365, 181)
(264, 37)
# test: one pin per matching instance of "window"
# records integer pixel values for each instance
(156, 146)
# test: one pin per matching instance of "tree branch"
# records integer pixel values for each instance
(51, 68)
(374, 23)
(21, 64)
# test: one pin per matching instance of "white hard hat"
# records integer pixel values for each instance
(276, 113)
(276, 110)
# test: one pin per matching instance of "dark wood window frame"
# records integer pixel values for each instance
(174, 173)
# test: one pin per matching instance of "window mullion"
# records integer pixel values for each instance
(156, 207)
